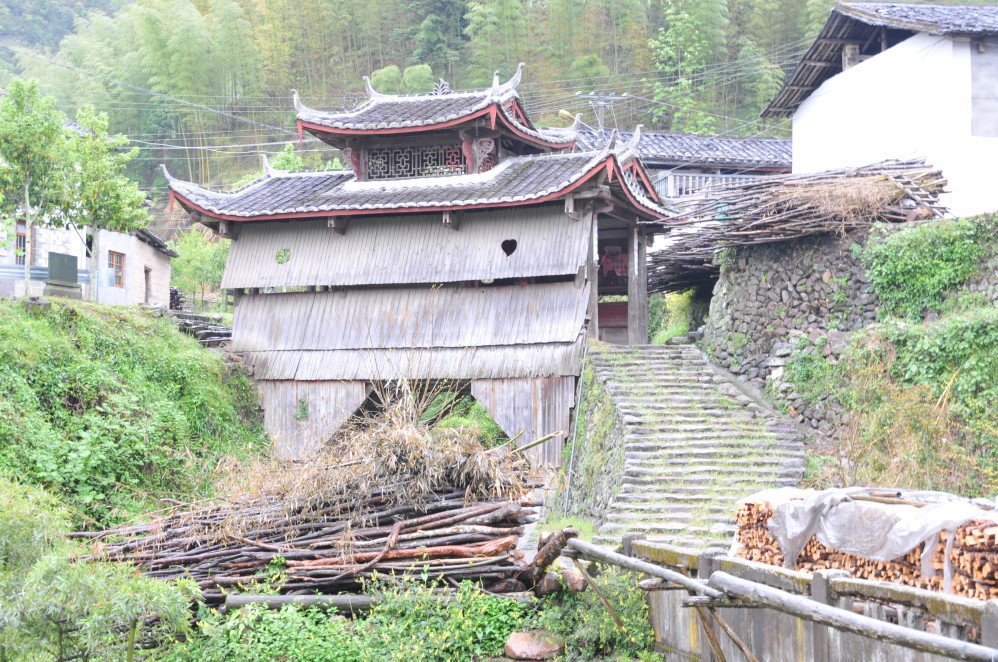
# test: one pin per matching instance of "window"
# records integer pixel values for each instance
(116, 263)
(21, 244)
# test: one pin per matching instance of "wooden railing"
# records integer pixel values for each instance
(676, 184)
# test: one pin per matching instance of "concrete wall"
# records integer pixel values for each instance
(913, 100)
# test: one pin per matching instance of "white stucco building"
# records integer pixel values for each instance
(896, 81)
(132, 268)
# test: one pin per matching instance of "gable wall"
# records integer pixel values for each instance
(911, 101)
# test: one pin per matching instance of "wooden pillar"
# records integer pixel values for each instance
(592, 273)
(637, 288)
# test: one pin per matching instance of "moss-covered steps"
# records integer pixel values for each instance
(693, 445)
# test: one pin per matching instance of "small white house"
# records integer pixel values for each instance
(898, 81)
(132, 268)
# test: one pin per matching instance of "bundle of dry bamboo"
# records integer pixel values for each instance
(785, 207)
(973, 556)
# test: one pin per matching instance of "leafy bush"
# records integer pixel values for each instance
(956, 357)
(912, 270)
(683, 312)
(466, 414)
(920, 402)
(111, 407)
(408, 623)
(53, 608)
(588, 628)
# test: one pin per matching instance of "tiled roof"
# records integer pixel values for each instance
(156, 242)
(934, 19)
(861, 23)
(517, 180)
(659, 148)
(387, 111)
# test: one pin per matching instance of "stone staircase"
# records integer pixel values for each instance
(694, 444)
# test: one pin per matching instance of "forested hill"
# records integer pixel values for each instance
(187, 80)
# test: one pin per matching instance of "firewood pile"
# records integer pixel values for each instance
(326, 549)
(787, 207)
(390, 495)
(208, 329)
(973, 556)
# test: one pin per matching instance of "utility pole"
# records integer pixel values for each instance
(599, 103)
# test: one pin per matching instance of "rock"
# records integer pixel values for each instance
(782, 349)
(573, 579)
(533, 645)
(550, 584)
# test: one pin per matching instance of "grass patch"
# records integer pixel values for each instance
(113, 409)
(555, 523)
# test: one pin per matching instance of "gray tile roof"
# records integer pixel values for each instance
(934, 19)
(861, 23)
(156, 242)
(388, 111)
(660, 148)
(517, 180)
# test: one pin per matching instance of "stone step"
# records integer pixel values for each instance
(668, 527)
(735, 465)
(722, 442)
(687, 455)
(716, 484)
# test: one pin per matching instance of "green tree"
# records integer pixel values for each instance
(54, 608)
(103, 198)
(693, 39)
(33, 166)
(201, 263)
(440, 35)
(497, 33)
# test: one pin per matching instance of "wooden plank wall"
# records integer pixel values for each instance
(535, 406)
(329, 404)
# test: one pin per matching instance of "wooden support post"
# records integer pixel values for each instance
(821, 592)
(593, 267)
(989, 624)
(637, 288)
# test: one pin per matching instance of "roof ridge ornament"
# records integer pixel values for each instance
(632, 144)
(268, 170)
(495, 86)
(441, 87)
(296, 100)
(371, 92)
(166, 173)
(513, 82)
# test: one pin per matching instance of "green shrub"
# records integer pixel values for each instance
(913, 269)
(957, 358)
(468, 415)
(112, 408)
(682, 312)
(588, 628)
(52, 608)
(408, 623)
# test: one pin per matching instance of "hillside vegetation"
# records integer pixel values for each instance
(920, 387)
(112, 409)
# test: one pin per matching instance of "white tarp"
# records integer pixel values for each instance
(876, 531)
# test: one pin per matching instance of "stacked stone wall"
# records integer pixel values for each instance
(812, 293)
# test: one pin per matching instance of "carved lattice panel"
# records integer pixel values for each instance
(415, 161)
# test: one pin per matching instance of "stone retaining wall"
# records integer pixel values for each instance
(810, 294)
(813, 286)
(598, 466)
